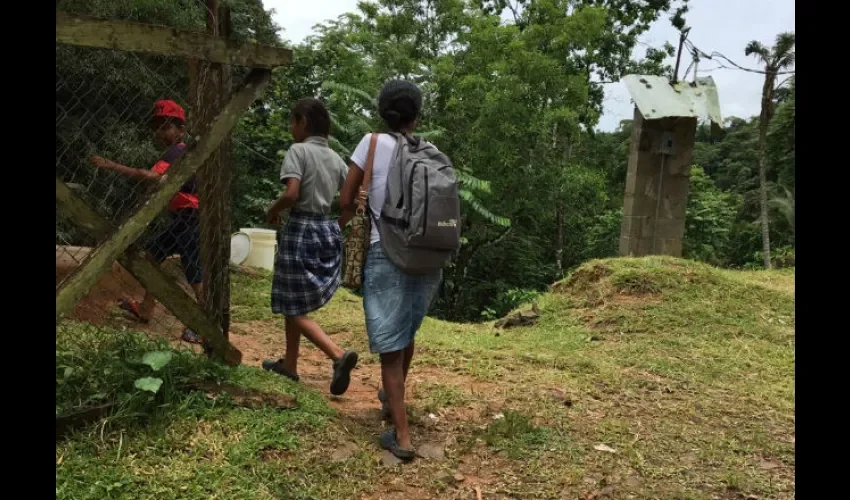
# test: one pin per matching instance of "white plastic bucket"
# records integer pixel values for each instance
(240, 247)
(263, 247)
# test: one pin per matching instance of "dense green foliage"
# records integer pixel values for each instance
(514, 103)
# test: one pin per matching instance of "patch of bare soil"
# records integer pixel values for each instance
(259, 340)
(596, 315)
(100, 305)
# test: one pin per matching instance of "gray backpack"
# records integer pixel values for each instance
(420, 218)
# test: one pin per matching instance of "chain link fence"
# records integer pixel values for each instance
(104, 107)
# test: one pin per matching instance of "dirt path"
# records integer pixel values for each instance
(263, 339)
(436, 430)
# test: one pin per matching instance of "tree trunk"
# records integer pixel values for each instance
(766, 114)
(560, 215)
(559, 238)
(794, 219)
(765, 225)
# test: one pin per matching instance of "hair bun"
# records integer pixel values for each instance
(399, 103)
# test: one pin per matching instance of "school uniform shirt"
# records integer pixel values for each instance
(187, 196)
(319, 169)
(308, 268)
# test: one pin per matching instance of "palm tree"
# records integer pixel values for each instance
(782, 56)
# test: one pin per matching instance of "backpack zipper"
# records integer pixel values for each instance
(410, 189)
(425, 215)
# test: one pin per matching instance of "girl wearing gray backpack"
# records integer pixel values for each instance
(411, 192)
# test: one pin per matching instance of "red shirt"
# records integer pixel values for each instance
(187, 197)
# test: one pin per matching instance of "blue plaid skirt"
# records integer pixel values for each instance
(308, 266)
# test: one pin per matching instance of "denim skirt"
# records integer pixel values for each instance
(395, 303)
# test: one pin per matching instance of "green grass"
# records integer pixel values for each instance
(191, 446)
(514, 434)
(97, 365)
(685, 370)
(439, 396)
(249, 296)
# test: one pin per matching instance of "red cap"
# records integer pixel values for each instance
(169, 109)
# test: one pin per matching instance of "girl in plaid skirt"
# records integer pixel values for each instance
(309, 257)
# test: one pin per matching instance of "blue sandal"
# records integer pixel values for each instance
(389, 442)
(277, 367)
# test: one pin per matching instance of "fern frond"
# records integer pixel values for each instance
(469, 181)
(476, 205)
(348, 89)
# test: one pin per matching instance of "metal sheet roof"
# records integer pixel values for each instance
(656, 98)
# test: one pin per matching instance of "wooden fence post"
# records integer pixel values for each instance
(209, 88)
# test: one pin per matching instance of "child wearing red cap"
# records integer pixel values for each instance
(182, 232)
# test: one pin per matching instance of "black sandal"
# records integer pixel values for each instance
(277, 367)
(389, 442)
(342, 372)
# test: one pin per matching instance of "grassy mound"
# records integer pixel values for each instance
(103, 365)
(667, 295)
(603, 279)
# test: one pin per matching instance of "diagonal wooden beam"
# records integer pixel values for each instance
(99, 261)
(163, 41)
(150, 276)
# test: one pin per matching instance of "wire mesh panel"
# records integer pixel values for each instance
(143, 159)
(111, 150)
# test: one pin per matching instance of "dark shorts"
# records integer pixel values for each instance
(180, 235)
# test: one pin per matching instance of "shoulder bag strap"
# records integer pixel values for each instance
(363, 197)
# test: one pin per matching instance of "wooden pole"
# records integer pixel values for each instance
(682, 36)
(163, 41)
(84, 277)
(225, 182)
(210, 87)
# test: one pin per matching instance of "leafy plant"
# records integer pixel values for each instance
(156, 360)
(97, 365)
(509, 300)
(711, 214)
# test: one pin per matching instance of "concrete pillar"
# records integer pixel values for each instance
(640, 233)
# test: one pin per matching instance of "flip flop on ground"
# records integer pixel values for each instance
(131, 307)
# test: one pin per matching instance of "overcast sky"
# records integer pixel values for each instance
(724, 26)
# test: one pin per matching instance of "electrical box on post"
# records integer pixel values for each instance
(667, 144)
